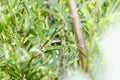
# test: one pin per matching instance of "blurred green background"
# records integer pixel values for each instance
(31, 32)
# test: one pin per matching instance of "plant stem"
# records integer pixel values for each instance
(79, 35)
(62, 66)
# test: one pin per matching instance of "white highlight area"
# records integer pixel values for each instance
(110, 48)
(77, 75)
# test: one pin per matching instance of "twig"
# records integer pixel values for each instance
(62, 66)
(79, 35)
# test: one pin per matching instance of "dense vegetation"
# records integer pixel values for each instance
(31, 36)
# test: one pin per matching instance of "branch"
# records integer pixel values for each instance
(62, 66)
(79, 35)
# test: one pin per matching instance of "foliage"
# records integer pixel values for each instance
(29, 29)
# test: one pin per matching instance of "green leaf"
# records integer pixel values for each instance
(56, 47)
(1, 28)
(26, 25)
(39, 30)
(26, 6)
(52, 29)
(54, 62)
